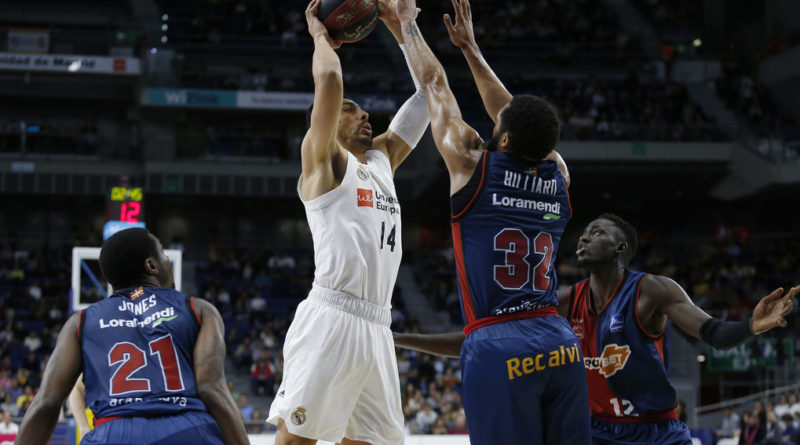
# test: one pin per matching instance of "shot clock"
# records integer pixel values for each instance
(124, 209)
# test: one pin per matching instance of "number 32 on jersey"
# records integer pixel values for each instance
(516, 272)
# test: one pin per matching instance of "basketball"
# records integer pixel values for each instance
(349, 20)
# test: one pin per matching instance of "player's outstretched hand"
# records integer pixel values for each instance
(387, 11)
(461, 33)
(315, 26)
(771, 309)
(406, 10)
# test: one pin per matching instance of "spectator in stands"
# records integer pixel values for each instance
(246, 408)
(262, 376)
(774, 430)
(425, 418)
(25, 397)
(730, 423)
(9, 406)
(783, 406)
(439, 427)
(794, 404)
(791, 433)
(748, 429)
(7, 426)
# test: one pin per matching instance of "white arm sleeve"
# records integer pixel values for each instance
(412, 118)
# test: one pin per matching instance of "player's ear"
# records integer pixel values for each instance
(621, 248)
(505, 140)
(150, 266)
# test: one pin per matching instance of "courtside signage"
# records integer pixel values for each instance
(67, 63)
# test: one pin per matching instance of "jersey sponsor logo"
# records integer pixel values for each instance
(577, 327)
(517, 366)
(155, 319)
(136, 293)
(364, 197)
(617, 323)
(137, 308)
(552, 209)
(613, 358)
(362, 173)
(299, 416)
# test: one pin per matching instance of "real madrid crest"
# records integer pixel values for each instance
(362, 173)
(299, 416)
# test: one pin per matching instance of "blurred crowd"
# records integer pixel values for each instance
(777, 424)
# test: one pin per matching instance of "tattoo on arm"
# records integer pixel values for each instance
(412, 30)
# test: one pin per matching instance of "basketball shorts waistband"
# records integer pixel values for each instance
(352, 305)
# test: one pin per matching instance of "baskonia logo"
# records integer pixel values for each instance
(613, 358)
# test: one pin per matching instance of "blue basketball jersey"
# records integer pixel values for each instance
(137, 348)
(507, 223)
(626, 366)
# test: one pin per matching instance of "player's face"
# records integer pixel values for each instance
(598, 243)
(354, 128)
(164, 276)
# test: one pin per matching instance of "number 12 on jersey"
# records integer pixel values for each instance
(515, 273)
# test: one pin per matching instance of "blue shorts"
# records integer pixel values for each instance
(525, 384)
(192, 427)
(662, 432)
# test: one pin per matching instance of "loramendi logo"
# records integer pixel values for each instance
(364, 197)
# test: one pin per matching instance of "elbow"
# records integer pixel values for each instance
(433, 79)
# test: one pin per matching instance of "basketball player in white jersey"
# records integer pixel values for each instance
(340, 381)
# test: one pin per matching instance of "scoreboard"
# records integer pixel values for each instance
(125, 204)
(124, 209)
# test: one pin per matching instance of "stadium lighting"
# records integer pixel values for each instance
(697, 43)
(153, 50)
(701, 358)
(164, 27)
(163, 39)
(165, 17)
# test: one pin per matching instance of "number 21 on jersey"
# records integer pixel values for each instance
(516, 272)
(131, 359)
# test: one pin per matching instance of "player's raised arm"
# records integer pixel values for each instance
(411, 120)
(493, 93)
(209, 374)
(319, 145)
(672, 301)
(458, 143)
(59, 377)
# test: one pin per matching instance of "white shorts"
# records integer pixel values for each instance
(340, 372)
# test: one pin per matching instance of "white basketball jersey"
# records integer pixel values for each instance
(357, 232)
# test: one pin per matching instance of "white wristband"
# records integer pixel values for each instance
(411, 119)
(410, 68)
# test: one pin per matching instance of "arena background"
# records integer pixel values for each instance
(681, 116)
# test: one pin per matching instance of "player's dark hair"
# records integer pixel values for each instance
(532, 124)
(628, 231)
(123, 255)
